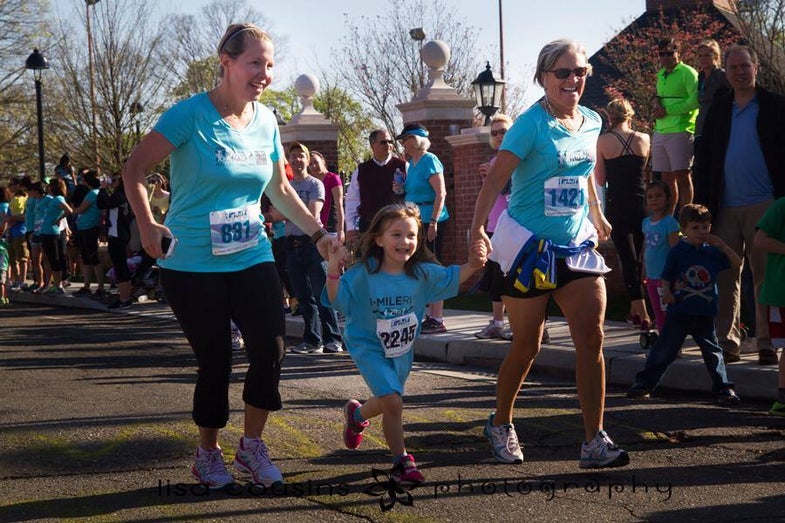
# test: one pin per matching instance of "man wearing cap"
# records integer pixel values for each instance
(424, 186)
(371, 184)
(306, 268)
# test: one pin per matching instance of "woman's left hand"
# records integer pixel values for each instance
(432, 230)
(601, 223)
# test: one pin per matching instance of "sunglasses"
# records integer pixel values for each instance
(386, 142)
(563, 72)
(663, 54)
(498, 132)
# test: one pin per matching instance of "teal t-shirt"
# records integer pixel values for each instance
(220, 171)
(92, 215)
(39, 213)
(30, 216)
(54, 209)
(549, 187)
(370, 301)
(656, 243)
(418, 186)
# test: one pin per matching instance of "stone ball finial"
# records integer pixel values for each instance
(307, 85)
(435, 54)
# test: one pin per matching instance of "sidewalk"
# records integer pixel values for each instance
(623, 354)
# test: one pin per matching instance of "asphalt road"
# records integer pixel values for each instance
(96, 426)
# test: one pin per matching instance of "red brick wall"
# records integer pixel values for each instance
(437, 130)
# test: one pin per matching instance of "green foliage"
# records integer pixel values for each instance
(632, 55)
(354, 125)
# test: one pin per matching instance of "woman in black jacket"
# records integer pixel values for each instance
(111, 196)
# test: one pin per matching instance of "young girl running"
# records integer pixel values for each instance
(383, 297)
(661, 232)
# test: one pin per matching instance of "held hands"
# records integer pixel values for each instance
(337, 258)
(484, 168)
(478, 254)
(667, 296)
(326, 244)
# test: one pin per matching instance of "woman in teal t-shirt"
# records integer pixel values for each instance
(424, 187)
(225, 150)
(88, 216)
(549, 232)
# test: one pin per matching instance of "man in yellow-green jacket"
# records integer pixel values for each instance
(675, 108)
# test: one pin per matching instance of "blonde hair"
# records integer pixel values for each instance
(499, 117)
(712, 46)
(233, 41)
(619, 110)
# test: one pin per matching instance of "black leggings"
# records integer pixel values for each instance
(204, 303)
(118, 252)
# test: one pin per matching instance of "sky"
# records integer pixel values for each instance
(528, 25)
(314, 28)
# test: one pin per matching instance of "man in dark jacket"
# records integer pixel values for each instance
(740, 171)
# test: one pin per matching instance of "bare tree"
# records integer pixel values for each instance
(131, 77)
(763, 24)
(194, 55)
(22, 26)
(380, 64)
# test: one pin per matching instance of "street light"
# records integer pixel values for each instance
(37, 63)
(488, 93)
(88, 3)
(136, 110)
(418, 35)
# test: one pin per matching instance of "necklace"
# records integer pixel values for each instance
(234, 115)
(566, 122)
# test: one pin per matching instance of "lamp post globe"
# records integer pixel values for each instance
(36, 62)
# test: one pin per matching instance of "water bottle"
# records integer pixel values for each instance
(399, 178)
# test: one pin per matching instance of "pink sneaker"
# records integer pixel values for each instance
(352, 431)
(405, 472)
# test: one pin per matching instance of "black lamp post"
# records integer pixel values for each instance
(37, 63)
(136, 110)
(488, 93)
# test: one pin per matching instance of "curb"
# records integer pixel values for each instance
(623, 355)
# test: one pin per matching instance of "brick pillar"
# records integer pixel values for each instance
(443, 112)
(311, 127)
(470, 149)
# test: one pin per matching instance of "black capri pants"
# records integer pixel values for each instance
(204, 303)
(53, 250)
(88, 245)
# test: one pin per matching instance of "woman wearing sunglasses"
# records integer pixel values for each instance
(545, 243)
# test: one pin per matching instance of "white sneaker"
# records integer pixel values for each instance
(209, 468)
(491, 331)
(602, 452)
(504, 442)
(253, 458)
(334, 347)
(308, 348)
